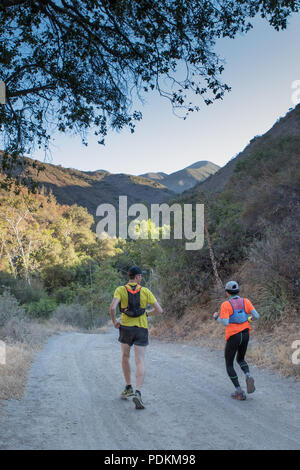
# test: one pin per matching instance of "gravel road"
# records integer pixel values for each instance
(72, 402)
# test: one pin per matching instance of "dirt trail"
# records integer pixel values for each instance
(72, 402)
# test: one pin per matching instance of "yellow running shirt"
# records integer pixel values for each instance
(146, 298)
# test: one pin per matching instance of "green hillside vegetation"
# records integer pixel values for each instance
(288, 125)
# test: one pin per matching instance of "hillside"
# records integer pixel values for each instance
(155, 176)
(289, 125)
(91, 188)
(182, 180)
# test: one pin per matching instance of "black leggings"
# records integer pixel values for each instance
(236, 344)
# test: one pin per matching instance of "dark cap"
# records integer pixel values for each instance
(134, 270)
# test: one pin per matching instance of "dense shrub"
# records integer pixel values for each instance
(20, 289)
(16, 329)
(10, 308)
(14, 323)
(74, 314)
(64, 295)
(41, 309)
(175, 285)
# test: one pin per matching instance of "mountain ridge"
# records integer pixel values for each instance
(285, 126)
(92, 188)
(182, 180)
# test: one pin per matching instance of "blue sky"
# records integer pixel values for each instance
(260, 67)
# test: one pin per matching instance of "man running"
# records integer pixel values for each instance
(234, 315)
(133, 329)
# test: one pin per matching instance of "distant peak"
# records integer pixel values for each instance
(201, 163)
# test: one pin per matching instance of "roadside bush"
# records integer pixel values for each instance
(41, 309)
(174, 282)
(14, 323)
(10, 308)
(276, 258)
(20, 289)
(26, 294)
(16, 329)
(98, 293)
(74, 314)
(272, 301)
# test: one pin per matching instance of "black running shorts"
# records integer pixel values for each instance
(133, 335)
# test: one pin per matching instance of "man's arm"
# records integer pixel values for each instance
(156, 309)
(112, 312)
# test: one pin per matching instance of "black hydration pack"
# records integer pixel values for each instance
(134, 308)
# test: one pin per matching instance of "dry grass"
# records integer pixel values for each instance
(272, 348)
(13, 373)
(21, 353)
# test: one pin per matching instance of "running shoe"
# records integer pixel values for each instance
(127, 392)
(239, 395)
(137, 400)
(250, 384)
